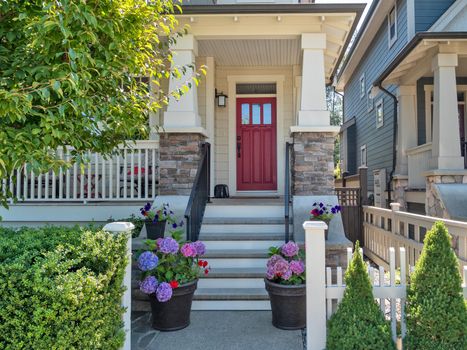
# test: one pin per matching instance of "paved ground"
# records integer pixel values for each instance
(216, 330)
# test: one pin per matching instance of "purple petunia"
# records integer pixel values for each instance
(147, 206)
(200, 248)
(168, 245)
(188, 250)
(297, 267)
(164, 292)
(147, 261)
(149, 285)
(290, 249)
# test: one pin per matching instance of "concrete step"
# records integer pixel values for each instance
(241, 236)
(234, 244)
(252, 211)
(243, 220)
(236, 253)
(231, 294)
(231, 283)
(236, 228)
(204, 305)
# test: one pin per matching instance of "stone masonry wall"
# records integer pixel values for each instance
(313, 163)
(180, 154)
(434, 205)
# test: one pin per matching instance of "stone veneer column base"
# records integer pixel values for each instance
(400, 184)
(434, 205)
(313, 163)
(180, 154)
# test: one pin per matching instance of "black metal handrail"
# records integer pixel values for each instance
(287, 192)
(464, 152)
(199, 195)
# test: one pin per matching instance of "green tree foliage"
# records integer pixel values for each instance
(61, 288)
(335, 107)
(436, 311)
(358, 323)
(70, 75)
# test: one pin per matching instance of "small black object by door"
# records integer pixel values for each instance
(221, 191)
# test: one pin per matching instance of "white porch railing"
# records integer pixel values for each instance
(129, 176)
(384, 228)
(419, 162)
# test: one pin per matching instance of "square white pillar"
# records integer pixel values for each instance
(313, 109)
(183, 113)
(446, 151)
(407, 130)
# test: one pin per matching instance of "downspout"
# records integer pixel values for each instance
(394, 139)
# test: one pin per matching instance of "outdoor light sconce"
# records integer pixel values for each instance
(221, 99)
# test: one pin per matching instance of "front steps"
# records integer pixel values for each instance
(237, 234)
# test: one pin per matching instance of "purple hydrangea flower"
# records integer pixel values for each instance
(188, 250)
(287, 274)
(168, 245)
(147, 261)
(164, 292)
(290, 249)
(149, 285)
(297, 267)
(270, 273)
(200, 248)
(273, 260)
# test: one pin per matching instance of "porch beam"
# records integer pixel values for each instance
(446, 151)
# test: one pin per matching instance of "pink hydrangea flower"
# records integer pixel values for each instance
(297, 267)
(188, 250)
(290, 249)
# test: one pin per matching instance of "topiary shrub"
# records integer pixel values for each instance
(61, 288)
(436, 311)
(358, 323)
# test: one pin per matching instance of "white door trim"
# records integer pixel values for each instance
(232, 81)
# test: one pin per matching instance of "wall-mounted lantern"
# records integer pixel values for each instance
(221, 99)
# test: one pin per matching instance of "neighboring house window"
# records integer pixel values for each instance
(370, 104)
(392, 26)
(362, 86)
(379, 114)
(363, 156)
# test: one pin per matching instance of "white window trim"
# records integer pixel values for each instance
(393, 40)
(370, 101)
(362, 91)
(377, 104)
(363, 162)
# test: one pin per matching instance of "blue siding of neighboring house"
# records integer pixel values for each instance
(428, 11)
(379, 141)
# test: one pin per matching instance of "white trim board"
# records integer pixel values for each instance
(232, 81)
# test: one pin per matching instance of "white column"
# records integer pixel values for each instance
(315, 284)
(313, 108)
(125, 228)
(184, 112)
(446, 139)
(210, 113)
(407, 130)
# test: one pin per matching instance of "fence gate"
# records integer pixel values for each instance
(351, 200)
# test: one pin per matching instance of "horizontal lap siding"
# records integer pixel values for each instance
(377, 58)
(428, 11)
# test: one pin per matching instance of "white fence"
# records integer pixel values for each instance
(384, 228)
(129, 175)
(323, 294)
(419, 162)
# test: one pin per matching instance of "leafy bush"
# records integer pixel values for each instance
(61, 288)
(138, 222)
(436, 311)
(358, 323)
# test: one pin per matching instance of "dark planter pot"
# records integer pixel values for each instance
(155, 230)
(288, 305)
(175, 313)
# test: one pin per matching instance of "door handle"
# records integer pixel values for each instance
(239, 150)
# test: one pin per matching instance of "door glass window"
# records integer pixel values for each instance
(256, 114)
(267, 116)
(245, 113)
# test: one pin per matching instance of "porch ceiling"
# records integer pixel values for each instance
(418, 62)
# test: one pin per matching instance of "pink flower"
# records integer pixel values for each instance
(290, 249)
(297, 267)
(188, 250)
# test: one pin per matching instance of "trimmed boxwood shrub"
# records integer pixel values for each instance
(436, 310)
(61, 288)
(358, 323)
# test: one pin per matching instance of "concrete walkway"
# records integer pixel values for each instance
(216, 330)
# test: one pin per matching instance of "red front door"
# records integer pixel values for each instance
(256, 144)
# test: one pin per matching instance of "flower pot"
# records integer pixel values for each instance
(288, 305)
(175, 313)
(155, 230)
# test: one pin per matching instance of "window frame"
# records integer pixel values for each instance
(363, 151)
(379, 103)
(362, 83)
(392, 40)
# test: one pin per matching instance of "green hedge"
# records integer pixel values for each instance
(61, 288)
